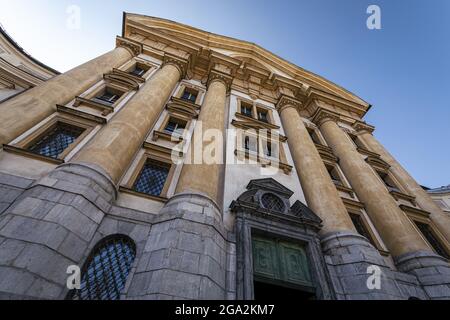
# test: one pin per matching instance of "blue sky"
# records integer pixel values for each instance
(403, 70)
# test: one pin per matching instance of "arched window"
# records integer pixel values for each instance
(106, 270)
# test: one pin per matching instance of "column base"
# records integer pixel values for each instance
(48, 228)
(186, 255)
(348, 257)
(431, 270)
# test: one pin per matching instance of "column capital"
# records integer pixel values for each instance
(286, 101)
(323, 115)
(180, 63)
(361, 126)
(134, 47)
(215, 75)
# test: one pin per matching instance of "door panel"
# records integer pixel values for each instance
(281, 261)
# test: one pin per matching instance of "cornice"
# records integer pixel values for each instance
(323, 115)
(286, 101)
(134, 47)
(361, 127)
(193, 39)
(314, 94)
(181, 64)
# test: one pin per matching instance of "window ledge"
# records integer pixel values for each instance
(400, 195)
(29, 154)
(97, 104)
(262, 123)
(166, 136)
(415, 211)
(262, 160)
(143, 195)
(79, 113)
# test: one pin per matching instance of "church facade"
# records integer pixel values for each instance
(188, 165)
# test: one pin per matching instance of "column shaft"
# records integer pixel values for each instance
(320, 193)
(21, 113)
(394, 226)
(441, 219)
(115, 145)
(206, 178)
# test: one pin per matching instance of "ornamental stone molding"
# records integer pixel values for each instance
(134, 47)
(180, 63)
(361, 126)
(322, 115)
(286, 101)
(215, 75)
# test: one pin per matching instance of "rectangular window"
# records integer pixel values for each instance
(189, 95)
(313, 135)
(57, 139)
(263, 115)
(388, 181)
(108, 96)
(360, 227)
(137, 71)
(250, 144)
(334, 174)
(175, 126)
(428, 233)
(246, 109)
(152, 178)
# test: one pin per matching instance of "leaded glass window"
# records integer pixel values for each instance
(106, 271)
(272, 202)
(152, 178)
(432, 239)
(56, 140)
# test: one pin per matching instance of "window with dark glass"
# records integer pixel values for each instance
(268, 148)
(428, 233)
(105, 273)
(388, 181)
(189, 95)
(313, 135)
(108, 96)
(250, 144)
(246, 109)
(263, 115)
(334, 174)
(138, 71)
(152, 178)
(57, 139)
(175, 126)
(360, 227)
(356, 141)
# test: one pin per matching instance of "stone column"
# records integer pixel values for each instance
(347, 254)
(320, 192)
(394, 226)
(21, 113)
(115, 145)
(205, 178)
(188, 254)
(441, 219)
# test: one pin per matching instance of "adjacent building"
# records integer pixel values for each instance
(188, 165)
(18, 70)
(441, 196)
